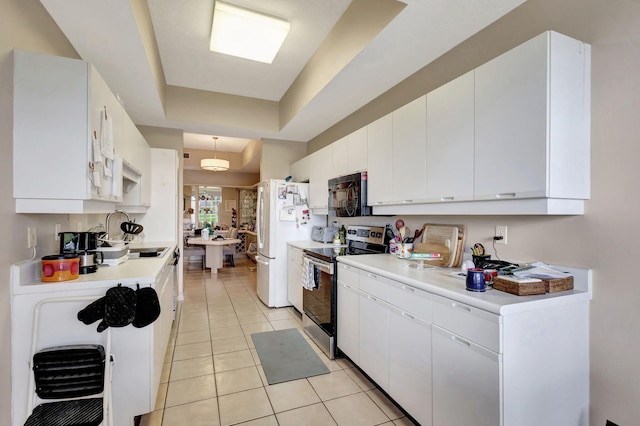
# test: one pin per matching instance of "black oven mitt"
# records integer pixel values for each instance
(120, 307)
(93, 311)
(147, 307)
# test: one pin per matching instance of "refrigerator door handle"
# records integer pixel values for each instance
(260, 217)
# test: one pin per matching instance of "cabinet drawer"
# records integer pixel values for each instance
(349, 275)
(375, 285)
(471, 323)
(411, 300)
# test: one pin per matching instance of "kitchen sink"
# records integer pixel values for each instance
(143, 252)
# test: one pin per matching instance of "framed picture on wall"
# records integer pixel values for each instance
(229, 205)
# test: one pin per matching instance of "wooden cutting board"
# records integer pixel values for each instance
(434, 248)
(450, 236)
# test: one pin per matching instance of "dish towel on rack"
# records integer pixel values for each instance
(308, 280)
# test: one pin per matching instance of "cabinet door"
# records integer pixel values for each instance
(294, 277)
(319, 176)
(299, 170)
(340, 157)
(162, 327)
(50, 127)
(379, 164)
(145, 172)
(374, 339)
(348, 335)
(358, 152)
(409, 153)
(511, 123)
(410, 364)
(466, 382)
(450, 141)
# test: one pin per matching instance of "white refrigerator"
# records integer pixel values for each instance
(282, 216)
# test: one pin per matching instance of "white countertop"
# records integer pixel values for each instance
(25, 276)
(437, 281)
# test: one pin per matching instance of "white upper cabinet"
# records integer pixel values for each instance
(319, 175)
(299, 170)
(358, 150)
(450, 141)
(350, 153)
(379, 141)
(532, 121)
(340, 157)
(409, 152)
(59, 108)
(137, 169)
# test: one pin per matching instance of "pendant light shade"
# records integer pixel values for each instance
(214, 164)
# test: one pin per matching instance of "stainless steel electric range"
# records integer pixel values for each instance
(319, 304)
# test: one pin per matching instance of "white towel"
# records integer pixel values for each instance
(307, 279)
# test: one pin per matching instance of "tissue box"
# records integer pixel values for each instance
(558, 284)
(519, 287)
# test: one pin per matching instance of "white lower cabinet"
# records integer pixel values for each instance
(450, 363)
(410, 364)
(466, 381)
(374, 339)
(348, 335)
(294, 277)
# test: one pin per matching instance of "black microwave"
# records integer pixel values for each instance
(348, 196)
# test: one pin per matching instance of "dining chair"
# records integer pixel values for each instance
(230, 249)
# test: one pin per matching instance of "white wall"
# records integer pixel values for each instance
(276, 157)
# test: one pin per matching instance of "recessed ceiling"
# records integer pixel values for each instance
(205, 142)
(183, 35)
(155, 55)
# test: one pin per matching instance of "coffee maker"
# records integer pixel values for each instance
(83, 245)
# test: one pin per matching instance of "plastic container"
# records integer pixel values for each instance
(60, 267)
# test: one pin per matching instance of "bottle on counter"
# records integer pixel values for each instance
(343, 235)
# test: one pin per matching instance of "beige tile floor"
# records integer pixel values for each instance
(212, 374)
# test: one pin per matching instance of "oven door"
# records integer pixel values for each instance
(319, 306)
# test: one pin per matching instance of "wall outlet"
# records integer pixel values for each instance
(501, 231)
(32, 236)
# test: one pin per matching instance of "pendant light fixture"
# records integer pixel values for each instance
(214, 164)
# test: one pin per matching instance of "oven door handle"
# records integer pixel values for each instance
(327, 267)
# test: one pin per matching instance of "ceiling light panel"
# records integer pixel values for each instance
(247, 34)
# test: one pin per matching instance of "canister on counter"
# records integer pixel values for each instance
(60, 267)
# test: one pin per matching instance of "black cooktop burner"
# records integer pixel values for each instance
(329, 254)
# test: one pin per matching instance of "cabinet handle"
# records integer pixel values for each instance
(378, 203)
(407, 201)
(375, 277)
(461, 307)
(461, 341)
(447, 198)
(406, 315)
(372, 298)
(506, 195)
(404, 287)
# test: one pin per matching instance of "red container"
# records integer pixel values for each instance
(60, 267)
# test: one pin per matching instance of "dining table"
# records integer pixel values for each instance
(214, 257)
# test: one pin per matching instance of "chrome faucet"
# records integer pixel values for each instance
(122, 212)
